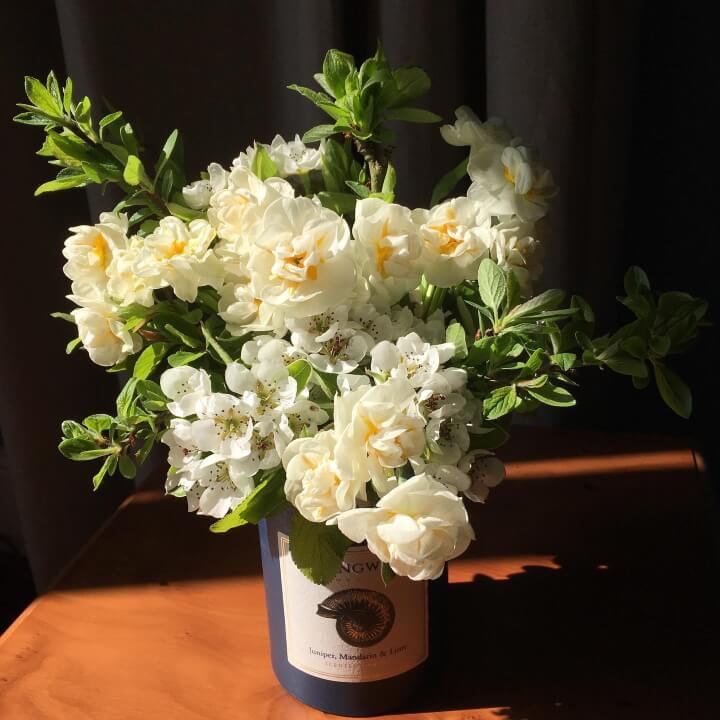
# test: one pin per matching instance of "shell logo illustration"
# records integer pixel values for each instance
(363, 617)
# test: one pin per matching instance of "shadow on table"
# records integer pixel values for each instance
(591, 640)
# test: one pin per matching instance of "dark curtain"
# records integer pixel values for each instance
(615, 95)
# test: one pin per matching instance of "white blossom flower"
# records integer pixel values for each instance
(179, 255)
(267, 387)
(447, 438)
(455, 240)
(186, 387)
(509, 181)
(469, 130)
(224, 426)
(268, 348)
(213, 485)
(197, 194)
(181, 446)
(91, 249)
(392, 246)
(411, 358)
(290, 158)
(515, 249)
(313, 483)
(102, 332)
(302, 259)
(432, 329)
(331, 342)
(485, 471)
(378, 430)
(416, 528)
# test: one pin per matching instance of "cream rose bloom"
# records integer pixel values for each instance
(392, 247)
(378, 430)
(416, 528)
(455, 240)
(102, 333)
(515, 248)
(302, 261)
(91, 249)
(178, 255)
(469, 130)
(510, 181)
(313, 483)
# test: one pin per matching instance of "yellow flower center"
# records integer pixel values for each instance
(177, 247)
(508, 174)
(101, 250)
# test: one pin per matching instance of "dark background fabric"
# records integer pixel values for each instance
(616, 96)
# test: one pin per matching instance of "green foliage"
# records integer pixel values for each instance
(360, 103)
(106, 152)
(317, 549)
(268, 498)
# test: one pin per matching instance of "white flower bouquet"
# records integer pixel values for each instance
(298, 339)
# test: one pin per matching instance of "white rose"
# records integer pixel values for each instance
(455, 240)
(91, 250)
(179, 255)
(124, 284)
(515, 249)
(416, 528)
(509, 181)
(197, 195)
(302, 259)
(102, 332)
(392, 245)
(236, 210)
(242, 309)
(469, 130)
(379, 429)
(485, 470)
(313, 483)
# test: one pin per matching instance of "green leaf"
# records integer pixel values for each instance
(413, 115)
(327, 383)
(387, 574)
(337, 66)
(127, 467)
(265, 500)
(492, 284)
(167, 152)
(31, 118)
(129, 139)
(149, 359)
(67, 317)
(410, 83)
(68, 95)
(389, 181)
(660, 345)
(181, 357)
(317, 133)
(72, 345)
(72, 429)
(64, 183)
(636, 281)
(262, 164)
(98, 423)
(673, 390)
(341, 203)
(548, 300)
(317, 549)
(108, 120)
(39, 96)
(134, 173)
(447, 182)
(565, 361)
(552, 395)
(362, 191)
(126, 397)
(500, 402)
(301, 370)
(455, 334)
(102, 472)
(320, 80)
(185, 213)
(316, 97)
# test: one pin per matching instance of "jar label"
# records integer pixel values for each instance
(356, 628)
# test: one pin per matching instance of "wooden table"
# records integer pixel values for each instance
(589, 595)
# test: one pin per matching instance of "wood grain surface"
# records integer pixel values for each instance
(589, 595)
